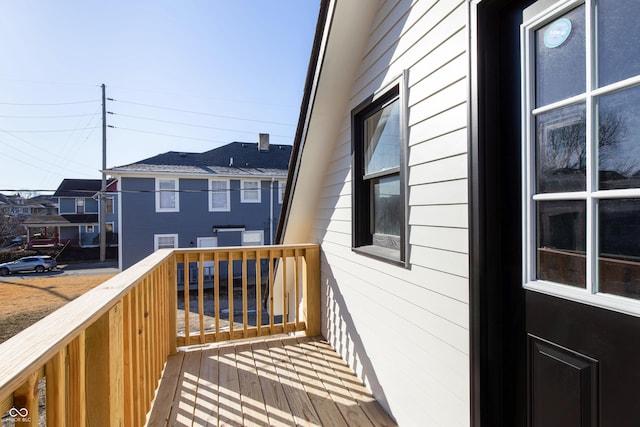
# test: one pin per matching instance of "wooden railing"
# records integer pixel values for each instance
(102, 355)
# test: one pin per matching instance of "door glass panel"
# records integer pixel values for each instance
(619, 139)
(561, 242)
(561, 150)
(560, 58)
(619, 241)
(618, 35)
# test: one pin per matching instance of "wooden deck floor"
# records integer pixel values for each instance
(273, 382)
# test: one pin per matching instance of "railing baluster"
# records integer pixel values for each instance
(129, 355)
(258, 263)
(187, 281)
(26, 398)
(139, 360)
(271, 289)
(285, 314)
(77, 381)
(201, 295)
(245, 306)
(230, 293)
(296, 284)
(172, 289)
(56, 374)
(216, 292)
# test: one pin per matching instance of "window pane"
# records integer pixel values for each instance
(252, 238)
(561, 242)
(560, 58)
(619, 241)
(166, 242)
(561, 150)
(250, 190)
(167, 200)
(618, 35)
(382, 139)
(386, 206)
(619, 139)
(218, 194)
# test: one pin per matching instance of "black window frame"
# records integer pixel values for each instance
(362, 235)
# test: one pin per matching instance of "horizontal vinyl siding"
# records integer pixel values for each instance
(405, 331)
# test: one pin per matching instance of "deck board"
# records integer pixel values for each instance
(284, 381)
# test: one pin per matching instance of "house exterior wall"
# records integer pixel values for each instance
(406, 330)
(140, 221)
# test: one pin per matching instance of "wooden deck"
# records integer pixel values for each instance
(263, 382)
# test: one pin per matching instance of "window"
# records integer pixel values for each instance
(252, 238)
(108, 204)
(581, 151)
(90, 228)
(219, 199)
(282, 185)
(379, 176)
(250, 192)
(164, 241)
(79, 206)
(167, 196)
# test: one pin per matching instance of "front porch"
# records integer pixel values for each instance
(136, 350)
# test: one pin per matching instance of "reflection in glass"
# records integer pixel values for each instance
(561, 150)
(560, 58)
(561, 242)
(618, 139)
(386, 206)
(618, 35)
(619, 247)
(382, 139)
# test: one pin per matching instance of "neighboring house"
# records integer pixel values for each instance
(228, 196)
(78, 221)
(16, 205)
(463, 279)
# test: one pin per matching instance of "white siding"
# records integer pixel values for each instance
(405, 331)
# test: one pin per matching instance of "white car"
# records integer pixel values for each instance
(37, 263)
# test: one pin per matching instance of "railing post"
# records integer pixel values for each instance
(105, 369)
(311, 291)
(172, 284)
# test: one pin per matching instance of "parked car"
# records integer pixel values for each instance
(38, 263)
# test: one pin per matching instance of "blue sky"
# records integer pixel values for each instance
(184, 76)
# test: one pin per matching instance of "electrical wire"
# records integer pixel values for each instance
(199, 113)
(192, 125)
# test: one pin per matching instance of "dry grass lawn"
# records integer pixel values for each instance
(28, 298)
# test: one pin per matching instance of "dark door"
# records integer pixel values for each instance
(555, 263)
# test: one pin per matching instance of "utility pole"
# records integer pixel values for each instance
(103, 191)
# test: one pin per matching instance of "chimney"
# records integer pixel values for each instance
(263, 142)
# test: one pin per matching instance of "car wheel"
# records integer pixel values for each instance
(4, 271)
(39, 269)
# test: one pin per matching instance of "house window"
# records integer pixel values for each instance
(80, 206)
(167, 195)
(164, 241)
(250, 192)
(89, 228)
(108, 204)
(252, 238)
(581, 174)
(219, 199)
(282, 185)
(379, 171)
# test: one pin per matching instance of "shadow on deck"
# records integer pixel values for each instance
(275, 381)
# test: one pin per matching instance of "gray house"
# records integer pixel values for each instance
(228, 196)
(78, 221)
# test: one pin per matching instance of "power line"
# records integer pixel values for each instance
(199, 113)
(50, 104)
(47, 117)
(166, 134)
(191, 124)
(45, 131)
